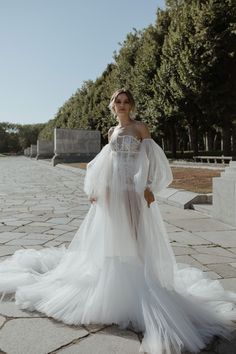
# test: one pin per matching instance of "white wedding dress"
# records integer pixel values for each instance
(120, 268)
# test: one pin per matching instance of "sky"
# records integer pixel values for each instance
(48, 48)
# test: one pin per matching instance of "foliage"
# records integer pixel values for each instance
(16, 137)
(182, 72)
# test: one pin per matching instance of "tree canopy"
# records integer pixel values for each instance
(182, 72)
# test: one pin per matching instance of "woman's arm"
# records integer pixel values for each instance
(145, 134)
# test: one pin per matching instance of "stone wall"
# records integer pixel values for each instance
(73, 145)
(45, 149)
(33, 150)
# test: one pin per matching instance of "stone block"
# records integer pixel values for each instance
(33, 150)
(45, 149)
(27, 151)
(73, 145)
(224, 195)
(182, 198)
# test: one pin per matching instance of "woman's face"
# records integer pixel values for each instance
(122, 105)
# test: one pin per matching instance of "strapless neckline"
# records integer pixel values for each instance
(125, 135)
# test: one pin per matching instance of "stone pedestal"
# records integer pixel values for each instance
(73, 145)
(45, 149)
(33, 150)
(224, 195)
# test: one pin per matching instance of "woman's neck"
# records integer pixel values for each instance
(124, 121)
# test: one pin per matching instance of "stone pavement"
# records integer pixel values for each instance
(42, 206)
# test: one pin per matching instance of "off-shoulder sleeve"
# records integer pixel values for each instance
(97, 173)
(154, 169)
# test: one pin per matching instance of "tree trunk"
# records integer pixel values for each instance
(210, 135)
(173, 140)
(194, 138)
(227, 140)
(234, 140)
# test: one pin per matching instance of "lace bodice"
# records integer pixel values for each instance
(128, 162)
(125, 143)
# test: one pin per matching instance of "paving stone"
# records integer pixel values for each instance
(65, 237)
(8, 236)
(173, 213)
(8, 250)
(219, 251)
(222, 238)
(5, 220)
(37, 336)
(40, 207)
(35, 247)
(224, 270)
(38, 218)
(178, 250)
(212, 275)
(76, 222)
(189, 260)
(123, 342)
(22, 216)
(229, 284)
(2, 320)
(35, 236)
(93, 328)
(53, 244)
(5, 228)
(55, 232)
(171, 228)
(194, 225)
(60, 221)
(10, 309)
(17, 223)
(17, 209)
(40, 223)
(25, 242)
(212, 259)
(33, 229)
(65, 227)
(187, 238)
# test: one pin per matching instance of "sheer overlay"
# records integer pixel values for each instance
(119, 267)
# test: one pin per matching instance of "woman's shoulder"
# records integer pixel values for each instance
(111, 129)
(142, 129)
(110, 132)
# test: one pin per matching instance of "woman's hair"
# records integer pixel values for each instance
(130, 98)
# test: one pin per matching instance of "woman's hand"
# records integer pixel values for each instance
(93, 199)
(149, 196)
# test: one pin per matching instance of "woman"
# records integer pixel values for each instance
(120, 268)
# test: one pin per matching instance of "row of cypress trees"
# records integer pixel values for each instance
(182, 72)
